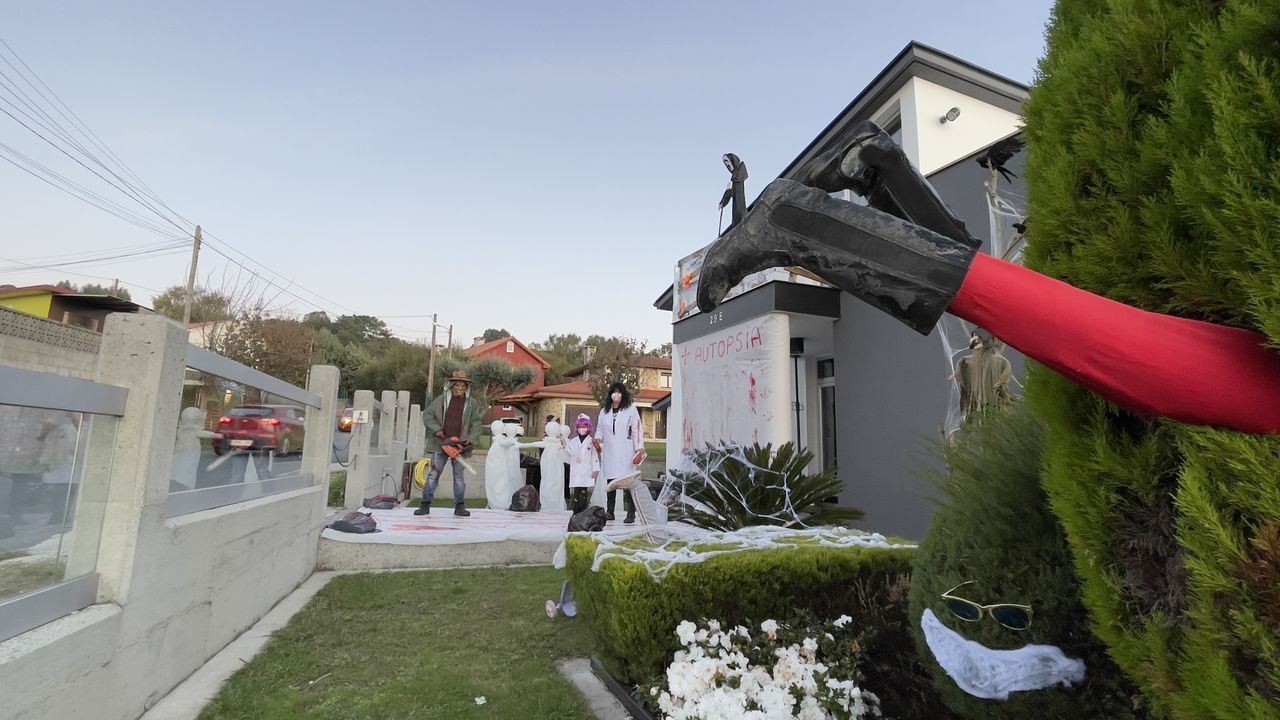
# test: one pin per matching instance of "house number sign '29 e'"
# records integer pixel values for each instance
(715, 317)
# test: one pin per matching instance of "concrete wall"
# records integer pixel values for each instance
(34, 343)
(892, 389)
(172, 591)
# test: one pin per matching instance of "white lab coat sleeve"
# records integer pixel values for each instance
(638, 427)
(600, 425)
(595, 460)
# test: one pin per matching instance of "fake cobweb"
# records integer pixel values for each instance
(1005, 209)
(660, 548)
(762, 494)
(730, 483)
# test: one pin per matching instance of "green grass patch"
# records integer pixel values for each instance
(657, 449)
(20, 578)
(393, 646)
(13, 555)
(337, 488)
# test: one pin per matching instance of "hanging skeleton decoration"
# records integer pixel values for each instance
(908, 255)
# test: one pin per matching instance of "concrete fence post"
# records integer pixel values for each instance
(148, 355)
(387, 434)
(417, 433)
(317, 448)
(358, 460)
(402, 416)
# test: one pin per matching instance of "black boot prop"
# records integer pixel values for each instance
(424, 509)
(462, 511)
(875, 168)
(903, 269)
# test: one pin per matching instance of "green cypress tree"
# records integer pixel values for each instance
(995, 529)
(1154, 179)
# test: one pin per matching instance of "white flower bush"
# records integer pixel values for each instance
(784, 672)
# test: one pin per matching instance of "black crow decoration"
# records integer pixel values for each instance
(997, 155)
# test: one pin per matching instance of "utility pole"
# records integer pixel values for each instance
(450, 345)
(431, 364)
(191, 279)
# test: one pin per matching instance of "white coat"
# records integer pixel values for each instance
(583, 462)
(622, 434)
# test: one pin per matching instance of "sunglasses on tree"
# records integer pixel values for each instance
(1014, 617)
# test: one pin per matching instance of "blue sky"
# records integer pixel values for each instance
(533, 166)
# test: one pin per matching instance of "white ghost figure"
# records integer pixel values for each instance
(186, 448)
(993, 674)
(515, 475)
(552, 464)
(496, 468)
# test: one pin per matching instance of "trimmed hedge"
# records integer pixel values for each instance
(996, 529)
(633, 618)
(1153, 148)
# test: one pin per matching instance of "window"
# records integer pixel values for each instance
(511, 346)
(826, 368)
(665, 381)
(895, 130)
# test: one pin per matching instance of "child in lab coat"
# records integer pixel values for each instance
(584, 463)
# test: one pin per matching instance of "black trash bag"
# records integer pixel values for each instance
(355, 522)
(525, 500)
(590, 520)
(381, 502)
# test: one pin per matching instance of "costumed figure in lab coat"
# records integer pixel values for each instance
(497, 486)
(551, 463)
(620, 438)
(584, 464)
(186, 450)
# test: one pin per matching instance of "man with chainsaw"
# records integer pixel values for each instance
(452, 422)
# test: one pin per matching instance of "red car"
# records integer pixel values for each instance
(261, 427)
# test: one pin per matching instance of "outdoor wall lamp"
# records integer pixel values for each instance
(951, 116)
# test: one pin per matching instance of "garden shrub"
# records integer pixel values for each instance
(736, 487)
(995, 528)
(1152, 176)
(633, 618)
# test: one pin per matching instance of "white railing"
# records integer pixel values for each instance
(252, 473)
(79, 532)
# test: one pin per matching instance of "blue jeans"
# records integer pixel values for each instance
(433, 480)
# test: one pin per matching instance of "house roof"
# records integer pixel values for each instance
(35, 290)
(109, 302)
(915, 60)
(644, 361)
(580, 389)
(478, 350)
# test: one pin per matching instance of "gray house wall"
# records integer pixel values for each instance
(892, 389)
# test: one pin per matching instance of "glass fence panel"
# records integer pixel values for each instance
(231, 433)
(54, 470)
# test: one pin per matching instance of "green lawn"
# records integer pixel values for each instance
(656, 450)
(17, 578)
(390, 646)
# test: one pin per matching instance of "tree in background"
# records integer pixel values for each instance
(281, 348)
(360, 329)
(95, 289)
(494, 334)
(397, 366)
(317, 320)
(615, 360)
(563, 353)
(206, 305)
(491, 378)
(1153, 144)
